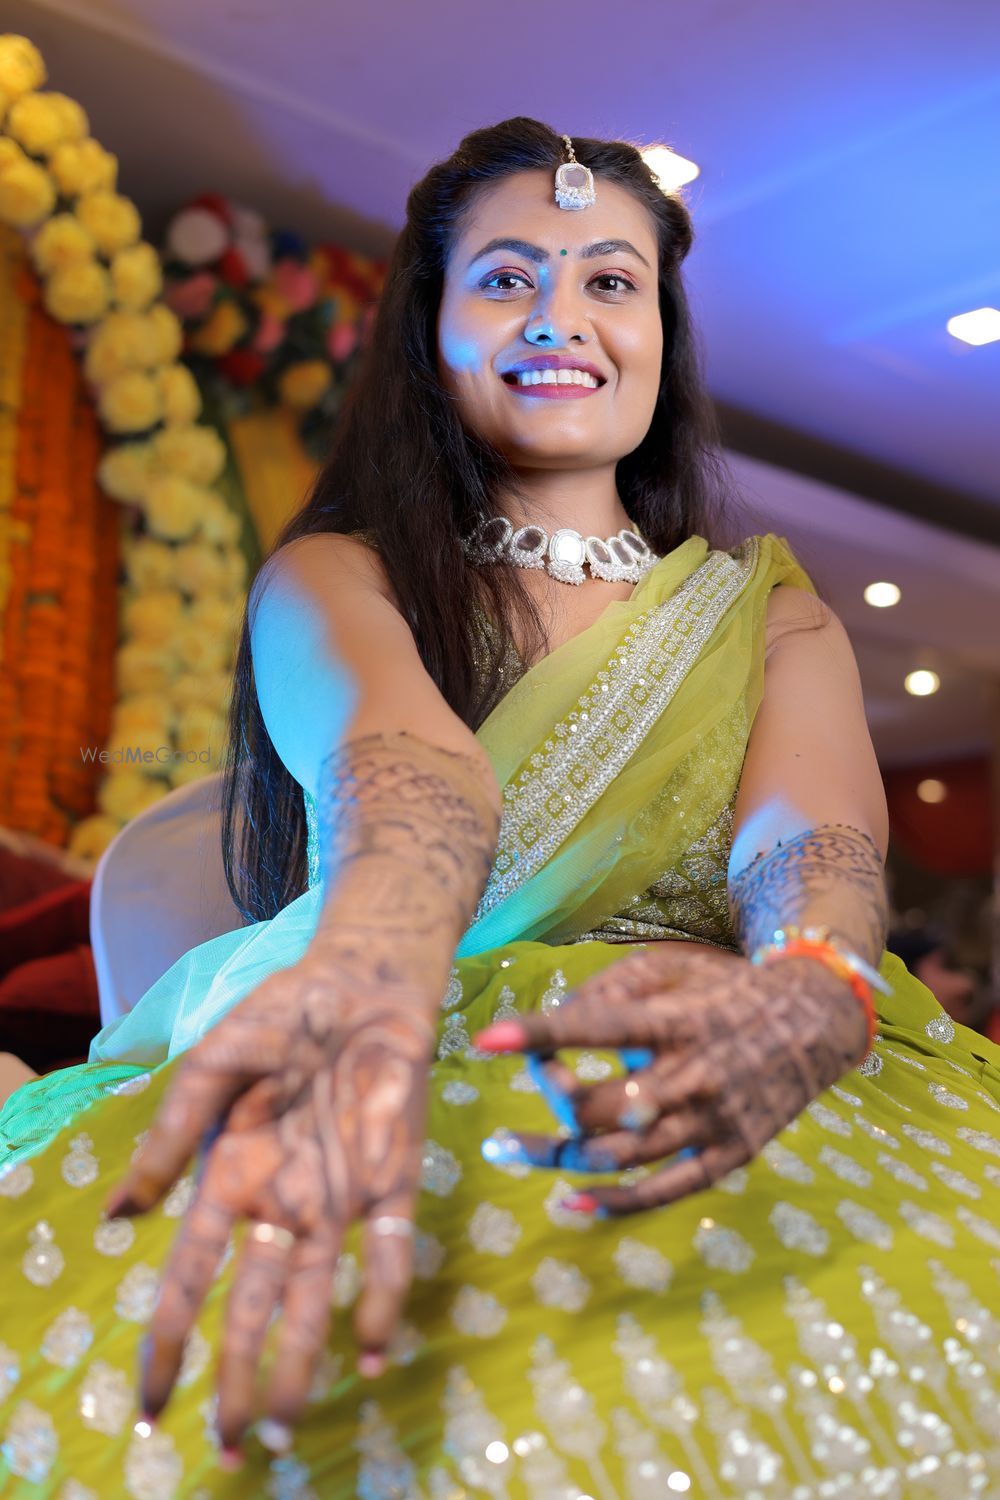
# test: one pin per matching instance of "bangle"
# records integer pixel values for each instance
(814, 942)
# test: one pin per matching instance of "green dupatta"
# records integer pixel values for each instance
(621, 747)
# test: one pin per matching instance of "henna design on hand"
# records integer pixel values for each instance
(309, 1096)
(738, 1050)
(328, 1128)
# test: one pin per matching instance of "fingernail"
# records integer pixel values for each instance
(371, 1364)
(230, 1459)
(581, 1203)
(502, 1036)
(274, 1435)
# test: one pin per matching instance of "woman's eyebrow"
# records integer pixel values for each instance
(536, 253)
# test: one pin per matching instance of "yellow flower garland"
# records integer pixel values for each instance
(185, 574)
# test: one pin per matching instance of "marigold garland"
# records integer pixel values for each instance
(60, 561)
(263, 315)
(57, 187)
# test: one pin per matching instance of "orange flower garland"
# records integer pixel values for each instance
(56, 653)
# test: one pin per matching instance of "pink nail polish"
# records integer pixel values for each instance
(371, 1364)
(230, 1459)
(504, 1036)
(581, 1203)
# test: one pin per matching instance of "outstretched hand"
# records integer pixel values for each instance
(736, 1051)
(309, 1099)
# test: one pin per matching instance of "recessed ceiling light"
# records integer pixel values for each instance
(922, 682)
(931, 790)
(979, 327)
(670, 170)
(882, 595)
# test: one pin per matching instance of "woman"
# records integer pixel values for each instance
(783, 1272)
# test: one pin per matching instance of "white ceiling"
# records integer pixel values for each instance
(848, 203)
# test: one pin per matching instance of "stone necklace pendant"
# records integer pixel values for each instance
(624, 557)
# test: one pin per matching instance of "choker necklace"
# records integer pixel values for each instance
(624, 557)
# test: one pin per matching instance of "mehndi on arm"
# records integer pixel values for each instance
(830, 877)
(407, 834)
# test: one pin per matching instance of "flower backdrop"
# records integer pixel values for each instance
(161, 411)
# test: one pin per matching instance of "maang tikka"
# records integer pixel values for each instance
(574, 182)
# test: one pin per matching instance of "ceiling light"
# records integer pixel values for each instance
(979, 327)
(931, 790)
(882, 595)
(670, 170)
(922, 682)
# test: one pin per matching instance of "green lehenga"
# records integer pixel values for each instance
(817, 1324)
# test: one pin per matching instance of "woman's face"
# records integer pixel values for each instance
(563, 290)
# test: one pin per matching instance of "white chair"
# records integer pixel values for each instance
(159, 889)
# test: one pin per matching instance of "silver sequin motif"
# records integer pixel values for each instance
(941, 1028)
(153, 1467)
(441, 1169)
(67, 1338)
(43, 1262)
(106, 1398)
(786, 1164)
(114, 1236)
(642, 1266)
(722, 1249)
(845, 1167)
(136, 1294)
(494, 1231)
(30, 1443)
(557, 1283)
(478, 1313)
(455, 1091)
(864, 1224)
(798, 1230)
(79, 1166)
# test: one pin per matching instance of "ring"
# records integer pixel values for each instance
(391, 1224)
(272, 1234)
(640, 1113)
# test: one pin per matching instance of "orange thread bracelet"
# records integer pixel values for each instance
(788, 944)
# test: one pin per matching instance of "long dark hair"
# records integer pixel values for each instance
(404, 471)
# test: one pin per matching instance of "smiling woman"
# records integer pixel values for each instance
(637, 822)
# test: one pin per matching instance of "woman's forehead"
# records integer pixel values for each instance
(523, 207)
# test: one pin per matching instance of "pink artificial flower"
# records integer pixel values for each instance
(270, 332)
(341, 340)
(191, 299)
(296, 283)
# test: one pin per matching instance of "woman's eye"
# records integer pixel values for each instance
(613, 276)
(498, 276)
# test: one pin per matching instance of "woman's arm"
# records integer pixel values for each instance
(811, 827)
(309, 1095)
(409, 805)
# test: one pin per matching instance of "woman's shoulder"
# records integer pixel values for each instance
(352, 556)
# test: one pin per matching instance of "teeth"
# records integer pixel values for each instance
(557, 377)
